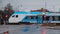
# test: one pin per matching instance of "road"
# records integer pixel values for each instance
(29, 29)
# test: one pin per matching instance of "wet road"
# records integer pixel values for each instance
(29, 29)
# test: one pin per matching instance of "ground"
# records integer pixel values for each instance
(29, 29)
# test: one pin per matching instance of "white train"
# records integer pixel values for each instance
(25, 17)
(34, 17)
(53, 17)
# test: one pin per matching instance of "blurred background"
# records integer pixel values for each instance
(52, 5)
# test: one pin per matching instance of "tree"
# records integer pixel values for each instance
(8, 11)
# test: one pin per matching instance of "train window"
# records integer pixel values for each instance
(50, 18)
(36, 17)
(47, 18)
(13, 16)
(29, 17)
(16, 15)
(53, 18)
(33, 17)
(59, 18)
(56, 18)
(26, 18)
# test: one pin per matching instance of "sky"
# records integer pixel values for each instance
(52, 5)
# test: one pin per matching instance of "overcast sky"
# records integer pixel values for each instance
(52, 5)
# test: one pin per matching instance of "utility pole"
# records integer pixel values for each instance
(45, 4)
(44, 10)
(0, 1)
(21, 7)
(53, 8)
(1, 4)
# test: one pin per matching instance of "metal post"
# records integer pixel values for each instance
(37, 21)
(4, 22)
(45, 4)
(53, 8)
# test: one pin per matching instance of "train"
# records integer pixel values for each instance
(53, 17)
(34, 17)
(25, 17)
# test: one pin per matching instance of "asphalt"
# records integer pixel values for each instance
(29, 29)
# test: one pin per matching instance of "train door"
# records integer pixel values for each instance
(39, 20)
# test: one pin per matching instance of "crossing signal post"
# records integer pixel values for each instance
(6, 18)
(44, 17)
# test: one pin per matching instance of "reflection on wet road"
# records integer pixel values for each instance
(29, 29)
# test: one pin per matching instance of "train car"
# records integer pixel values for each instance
(52, 18)
(26, 17)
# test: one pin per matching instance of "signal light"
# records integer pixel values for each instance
(6, 32)
(6, 16)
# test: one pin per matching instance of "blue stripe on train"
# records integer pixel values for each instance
(39, 20)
